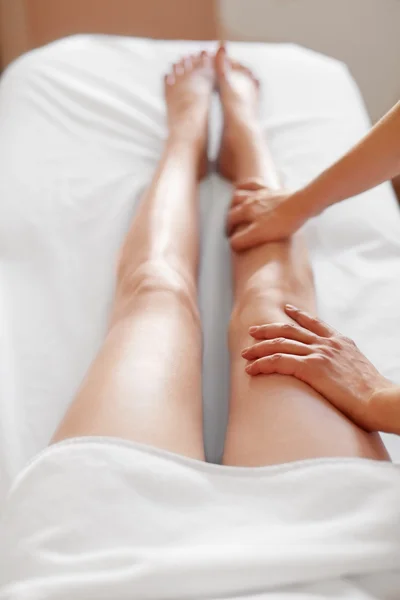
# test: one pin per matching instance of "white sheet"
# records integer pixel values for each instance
(102, 519)
(81, 128)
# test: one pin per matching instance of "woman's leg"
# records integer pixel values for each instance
(273, 418)
(145, 384)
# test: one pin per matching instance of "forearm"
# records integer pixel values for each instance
(385, 409)
(376, 158)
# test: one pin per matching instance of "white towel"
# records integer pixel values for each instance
(104, 519)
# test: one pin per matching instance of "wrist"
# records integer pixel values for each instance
(384, 408)
(303, 205)
(312, 201)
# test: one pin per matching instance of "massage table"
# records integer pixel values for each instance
(82, 125)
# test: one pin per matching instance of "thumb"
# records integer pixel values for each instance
(245, 238)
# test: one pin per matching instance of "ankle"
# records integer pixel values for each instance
(243, 134)
(242, 153)
(242, 123)
(183, 137)
(183, 145)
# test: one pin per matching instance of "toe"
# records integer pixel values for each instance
(178, 69)
(169, 79)
(248, 72)
(197, 60)
(192, 61)
(237, 66)
(253, 77)
(187, 63)
(221, 52)
(182, 66)
(221, 61)
(206, 59)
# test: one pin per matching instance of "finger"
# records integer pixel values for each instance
(283, 364)
(278, 345)
(239, 196)
(288, 331)
(246, 238)
(251, 184)
(239, 215)
(309, 322)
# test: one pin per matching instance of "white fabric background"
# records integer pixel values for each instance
(82, 123)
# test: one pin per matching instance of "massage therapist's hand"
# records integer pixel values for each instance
(330, 363)
(258, 215)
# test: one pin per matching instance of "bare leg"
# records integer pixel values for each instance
(145, 384)
(273, 419)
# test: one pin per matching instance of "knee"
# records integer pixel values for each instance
(157, 279)
(285, 277)
(259, 302)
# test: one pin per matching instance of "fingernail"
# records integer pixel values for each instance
(253, 329)
(247, 369)
(244, 352)
(290, 307)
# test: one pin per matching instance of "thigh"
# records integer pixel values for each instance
(145, 384)
(274, 418)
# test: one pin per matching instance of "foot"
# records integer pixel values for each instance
(188, 90)
(239, 93)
